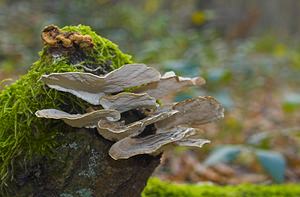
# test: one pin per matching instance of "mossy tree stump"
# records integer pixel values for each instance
(42, 157)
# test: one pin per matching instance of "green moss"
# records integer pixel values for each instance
(157, 188)
(105, 50)
(22, 135)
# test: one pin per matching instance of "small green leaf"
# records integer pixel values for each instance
(223, 154)
(273, 163)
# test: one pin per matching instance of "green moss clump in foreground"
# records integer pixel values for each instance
(22, 135)
(158, 188)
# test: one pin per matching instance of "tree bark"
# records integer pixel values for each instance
(85, 169)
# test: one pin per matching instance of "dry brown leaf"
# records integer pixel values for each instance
(223, 169)
(208, 174)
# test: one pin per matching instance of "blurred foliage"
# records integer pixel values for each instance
(224, 154)
(272, 162)
(256, 78)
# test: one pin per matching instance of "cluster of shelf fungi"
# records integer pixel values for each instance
(139, 88)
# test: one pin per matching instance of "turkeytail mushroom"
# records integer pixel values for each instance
(198, 110)
(171, 123)
(196, 142)
(88, 120)
(169, 83)
(118, 130)
(126, 101)
(152, 144)
(91, 88)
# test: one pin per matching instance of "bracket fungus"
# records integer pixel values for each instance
(91, 88)
(160, 127)
(151, 144)
(126, 101)
(117, 130)
(87, 120)
(168, 84)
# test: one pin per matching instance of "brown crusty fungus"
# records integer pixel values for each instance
(160, 126)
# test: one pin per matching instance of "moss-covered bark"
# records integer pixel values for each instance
(40, 157)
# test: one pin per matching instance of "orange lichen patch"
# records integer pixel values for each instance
(54, 37)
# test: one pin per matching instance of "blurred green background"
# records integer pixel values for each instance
(248, 52)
